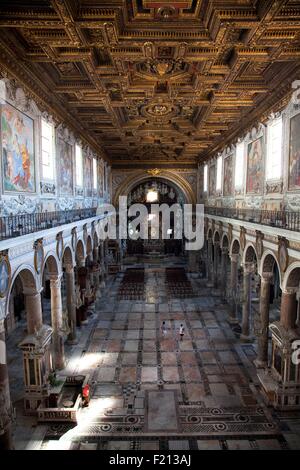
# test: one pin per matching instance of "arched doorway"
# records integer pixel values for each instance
(235, 298)
(161, 240)
(225, 268)
(269, 306)
(18, 324)
(69, 294)
(216, 254)
(53, 309)
(250, 292)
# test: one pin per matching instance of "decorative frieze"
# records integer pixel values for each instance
(274, 187)
(283, 256)
(19, 204)
(47, 188)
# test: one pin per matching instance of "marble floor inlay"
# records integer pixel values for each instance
(152, 390)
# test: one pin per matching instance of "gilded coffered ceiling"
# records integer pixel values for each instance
(154, 82)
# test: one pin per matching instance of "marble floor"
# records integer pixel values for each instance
(154, 391)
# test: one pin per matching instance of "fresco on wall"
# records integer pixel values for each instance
(212, 179)
(17, 142)
(65, 155)
(228, 171)
(255, 166)
(88, 181)
(294, 164)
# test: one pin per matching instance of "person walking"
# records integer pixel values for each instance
(181, 332)
(163, 328)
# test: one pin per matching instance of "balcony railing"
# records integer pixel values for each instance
(282, 219)
(17, 225)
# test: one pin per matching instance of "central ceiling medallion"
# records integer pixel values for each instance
(159, 110)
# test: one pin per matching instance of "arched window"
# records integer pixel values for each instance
(239, 166)
(79, 167)
(95, 175)
(48, 157)
(274, 150)
(205, 179)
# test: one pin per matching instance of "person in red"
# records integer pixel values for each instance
(86, 395)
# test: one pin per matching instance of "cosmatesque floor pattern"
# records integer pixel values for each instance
(152, 390)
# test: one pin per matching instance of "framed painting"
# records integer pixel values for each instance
(38, 257)
(4, 275)
(228, 176)
(294, 154)
(212, 180)
(17, 145)
(59, 246)
(65, 158)
(255, 155)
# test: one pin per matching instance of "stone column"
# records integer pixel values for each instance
(6, 442)
(264, 307)
(71, 302)
(216, 264)
(89, 265)
(96, 255)
(56, 316)
(209, 262)
(233, 288)
(248, 268)
(103, 264)
(288, 310)
(33, 306)
(192, 260)
(224, 272)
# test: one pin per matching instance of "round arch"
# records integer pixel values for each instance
(80, 251)
(250, 255)
(52, 263)
(268, 260)
(172, 177)
(209, 234)
(28, 278)
(216, 237)
(291, 277)
(224, 241)
(68, 256)
(235, 247)
(89, 245)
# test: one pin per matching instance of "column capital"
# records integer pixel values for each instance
(266, 277)
(248, 268)
(290, 290)
(55, 281)
(234, 257)
(32, 291)
(69, 268)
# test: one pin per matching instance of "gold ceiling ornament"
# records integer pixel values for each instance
(184, 60)
(154, 172)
